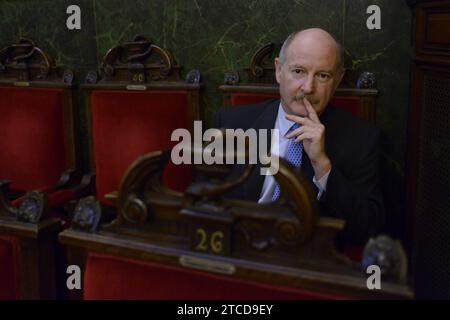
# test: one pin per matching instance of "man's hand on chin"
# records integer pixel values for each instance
(312, 133)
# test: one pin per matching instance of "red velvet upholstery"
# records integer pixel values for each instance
(33, 149)
(31, 137)
(348, 103)
(127, 125)
(109, 277)
(9, 268)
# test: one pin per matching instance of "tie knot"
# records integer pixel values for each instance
(294, 126)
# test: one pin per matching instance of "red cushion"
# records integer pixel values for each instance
(348, 103)
(31, 137)
(127, 125)
(9, 268)
(109, 277)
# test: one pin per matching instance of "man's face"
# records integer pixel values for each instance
(311, 70)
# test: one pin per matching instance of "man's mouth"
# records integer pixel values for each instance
(300, 96)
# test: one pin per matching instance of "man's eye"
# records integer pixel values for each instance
(299, 71)
(324, 76)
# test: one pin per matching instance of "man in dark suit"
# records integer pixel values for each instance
(337, 152)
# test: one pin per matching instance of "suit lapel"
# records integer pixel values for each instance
(307, 167)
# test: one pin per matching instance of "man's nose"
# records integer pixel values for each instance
(308, 84)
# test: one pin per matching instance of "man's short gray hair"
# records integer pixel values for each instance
(287, 43)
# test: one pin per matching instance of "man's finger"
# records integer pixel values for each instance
(300, 120)
(312, 114)
(297, 132)
(303, 136)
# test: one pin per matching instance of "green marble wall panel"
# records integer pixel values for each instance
(386, 53)
(213, 36)
(44, 21)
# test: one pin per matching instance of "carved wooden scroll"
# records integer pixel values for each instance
(24, 62)
(288, 232)
(262, 68)
(139, 62)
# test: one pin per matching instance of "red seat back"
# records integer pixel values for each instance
(127, 125)
(32, 137)
(37, 152)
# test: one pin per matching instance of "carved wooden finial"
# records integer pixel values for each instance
(388, 255)
(231, 78)
(262, 68)
(138, 62)
(193, 76)
(87, 215)
(366, 80)
(34, 208)
(24, 61)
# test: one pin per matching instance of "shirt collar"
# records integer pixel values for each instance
(283, 124)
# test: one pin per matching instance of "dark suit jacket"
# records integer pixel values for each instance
(353, 146)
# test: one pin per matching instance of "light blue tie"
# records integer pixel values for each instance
(293, 155)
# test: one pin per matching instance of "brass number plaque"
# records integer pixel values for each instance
(202, 244)
(212, 241)
(138, 77)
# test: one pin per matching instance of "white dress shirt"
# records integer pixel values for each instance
(279, 148)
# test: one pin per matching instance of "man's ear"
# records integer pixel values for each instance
(278, 69)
